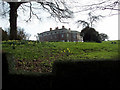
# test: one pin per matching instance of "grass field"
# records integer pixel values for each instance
(32, 56)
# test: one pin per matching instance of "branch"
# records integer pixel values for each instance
(107, 4)
(55, 10)
(84, 23)
(111, 9)
(32, 13)
(4, 10)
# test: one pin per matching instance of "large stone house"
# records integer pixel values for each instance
(60, 35)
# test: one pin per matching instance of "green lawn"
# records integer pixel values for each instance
(31, 56)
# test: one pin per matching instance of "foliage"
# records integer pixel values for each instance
(33, 56)
(22, 35)
(4, 35)
(103, 36)
(90, 35)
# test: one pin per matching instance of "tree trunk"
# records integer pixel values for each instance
(13, 20)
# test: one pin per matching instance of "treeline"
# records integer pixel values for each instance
(21, 34)
(91, 35)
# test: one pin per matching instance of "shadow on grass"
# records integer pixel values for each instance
(67, 74)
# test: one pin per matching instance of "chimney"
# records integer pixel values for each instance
(63, 27)
(50, 29)
(56, 28)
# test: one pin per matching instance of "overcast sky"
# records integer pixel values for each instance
(108, 25)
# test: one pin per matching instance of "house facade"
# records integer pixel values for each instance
(60, 35)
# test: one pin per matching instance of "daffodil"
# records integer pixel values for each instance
(11, 44)
(69, 51)
(67, 48)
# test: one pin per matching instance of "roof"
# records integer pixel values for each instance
(62, 30)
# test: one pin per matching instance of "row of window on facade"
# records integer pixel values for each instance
(50, 33)
(64, 35)
(62, 38)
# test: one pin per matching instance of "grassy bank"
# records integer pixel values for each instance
(31, 56)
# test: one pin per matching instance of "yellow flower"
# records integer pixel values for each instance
(64, 50)
(67, 48)
(28, 42)
(69, 51)
(11, 44)
(9, 40)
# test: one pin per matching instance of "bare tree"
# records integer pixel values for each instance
(111, 5)
(96, 11)
(13, 19)
(84, 23)
(57, 8)
(37, 38)
(91, 20)
(22, 35)
(28, 36)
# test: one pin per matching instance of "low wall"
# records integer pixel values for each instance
(69, 74)
(87, 73)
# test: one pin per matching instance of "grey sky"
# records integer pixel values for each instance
(108, 25)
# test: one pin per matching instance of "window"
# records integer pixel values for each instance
(67, 40)
(51, 37)
(62, 35)
(55, 36)
(74, 36)
(67, 35)
(63, 40)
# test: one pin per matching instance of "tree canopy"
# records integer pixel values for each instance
(90, 35)
(103, 36)
(4, 34)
